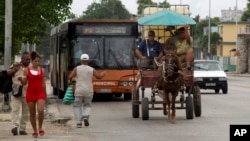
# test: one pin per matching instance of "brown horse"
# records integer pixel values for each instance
(171, 81)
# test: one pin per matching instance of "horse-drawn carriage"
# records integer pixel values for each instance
(166, 80)
(148, 79)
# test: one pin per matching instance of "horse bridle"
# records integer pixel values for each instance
(169, 67)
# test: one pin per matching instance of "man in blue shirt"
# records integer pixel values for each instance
(149, 49)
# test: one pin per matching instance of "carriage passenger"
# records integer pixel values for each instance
(183, 43)
(149, 49)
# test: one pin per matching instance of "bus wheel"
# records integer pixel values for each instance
(118, 94)
(127, 96)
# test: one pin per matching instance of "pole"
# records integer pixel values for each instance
(209, 28)
(8, 34)
(236, 25)
(236, 38)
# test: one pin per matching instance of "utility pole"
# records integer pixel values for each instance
(8, 34)
(236, 39)
(209, 29)
(7, 48)
(236, 25)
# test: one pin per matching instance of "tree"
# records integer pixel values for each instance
(106, 9)
(144, 3)
(30, 19)
(215, 40)
(200, 24)
(246, 14)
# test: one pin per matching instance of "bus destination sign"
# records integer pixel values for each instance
(104, 30)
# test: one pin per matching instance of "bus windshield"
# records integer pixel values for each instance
(111, 52)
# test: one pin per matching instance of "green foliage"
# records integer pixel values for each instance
(142, 4)
(200, 24)
(145, 3)
(106, 9)
(30, 19)
(43, 48)
(215, 40)
(246, 14)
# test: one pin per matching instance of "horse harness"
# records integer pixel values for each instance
(171, 68)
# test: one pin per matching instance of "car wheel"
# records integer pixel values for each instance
(224, 90)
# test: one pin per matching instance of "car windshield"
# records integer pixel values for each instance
(207, 66)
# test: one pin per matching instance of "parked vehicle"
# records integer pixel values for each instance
(210, 75)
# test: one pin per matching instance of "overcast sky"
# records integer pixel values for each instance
(200, 7)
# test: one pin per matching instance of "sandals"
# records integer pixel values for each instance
(35, 135)
(41, 132)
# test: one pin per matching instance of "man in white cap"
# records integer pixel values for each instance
(84, 90)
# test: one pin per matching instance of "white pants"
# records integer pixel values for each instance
(82, 107)
(18, 103)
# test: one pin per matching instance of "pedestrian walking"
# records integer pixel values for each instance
(18, 101)
(36, 93)
(83, 75)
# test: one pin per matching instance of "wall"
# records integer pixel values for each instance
(243, 61)
(227, 31)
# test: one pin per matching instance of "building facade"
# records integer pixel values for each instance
(228, 32)
(231, 15)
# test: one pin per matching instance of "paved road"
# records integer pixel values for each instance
(111, 119)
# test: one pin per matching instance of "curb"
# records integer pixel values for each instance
(238, 74)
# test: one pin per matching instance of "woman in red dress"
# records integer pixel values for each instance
(36, 93)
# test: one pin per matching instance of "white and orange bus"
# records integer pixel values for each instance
(111, 46)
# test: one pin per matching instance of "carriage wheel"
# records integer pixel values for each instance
(189, 107)
(144, 108)
(197, 101)
(135, 103)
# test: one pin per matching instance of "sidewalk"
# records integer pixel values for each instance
(54, 124)
(238, 74)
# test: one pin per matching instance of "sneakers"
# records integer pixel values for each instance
(14, 131)
(86, 122)
(23, 133)
(79, 125)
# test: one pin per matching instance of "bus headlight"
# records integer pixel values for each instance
(126, 83)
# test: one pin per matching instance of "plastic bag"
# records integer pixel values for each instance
(17, 91)
(69, 96)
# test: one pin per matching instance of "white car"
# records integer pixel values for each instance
(210, 75)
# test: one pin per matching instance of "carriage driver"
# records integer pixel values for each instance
(149, 49)
(183, 43)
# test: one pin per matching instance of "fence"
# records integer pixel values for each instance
(228, 63)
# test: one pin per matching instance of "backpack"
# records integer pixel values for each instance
(5, 82)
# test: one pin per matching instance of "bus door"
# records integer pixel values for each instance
(62, 64)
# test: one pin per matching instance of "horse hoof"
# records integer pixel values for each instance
(173, 121)
(165, 113)
(169, 119)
